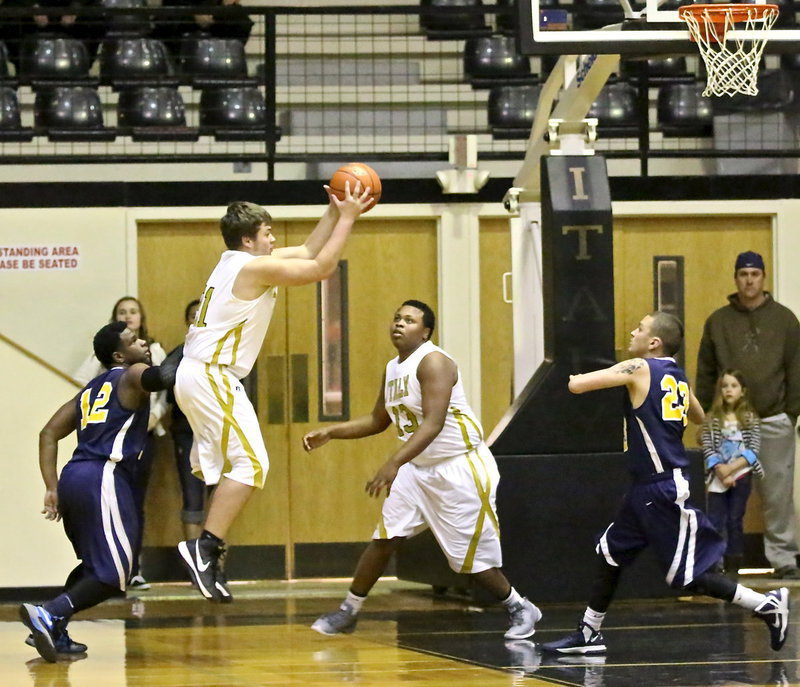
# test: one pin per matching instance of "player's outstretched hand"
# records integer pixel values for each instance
(315, 439)
(355, 201)
(50, 509)
(383, 478)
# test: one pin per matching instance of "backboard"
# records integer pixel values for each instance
(650, 31)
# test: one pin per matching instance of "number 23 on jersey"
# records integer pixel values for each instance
(675, 401)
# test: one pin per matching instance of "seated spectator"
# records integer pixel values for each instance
(232, 22)
(16, 29)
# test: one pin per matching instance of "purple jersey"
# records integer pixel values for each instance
(106, 430)
(654, 430)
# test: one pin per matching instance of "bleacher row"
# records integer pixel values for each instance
(150, 107)
(491, 61)
(337, 84)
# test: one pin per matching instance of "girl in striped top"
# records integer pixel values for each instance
(731, 442)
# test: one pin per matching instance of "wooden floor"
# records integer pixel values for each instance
(169, 637)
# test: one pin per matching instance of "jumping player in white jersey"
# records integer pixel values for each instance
(655, 511)
(221, 347)
(442, 477)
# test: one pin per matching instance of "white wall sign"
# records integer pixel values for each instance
(42, 257)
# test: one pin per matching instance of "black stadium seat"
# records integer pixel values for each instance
(594, 14)
(11, 128)
(71, 113)
(118, 24)
(615, 109)
(439, 19)
(658, 70)
(46, 59)
(154, 114)
(511, 110)
(494, 60)
(683, 110)
(136, 61)
(234, 114)
(206, 62)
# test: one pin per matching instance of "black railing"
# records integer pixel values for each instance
(333, 83)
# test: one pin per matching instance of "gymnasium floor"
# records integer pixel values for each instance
(169, 637)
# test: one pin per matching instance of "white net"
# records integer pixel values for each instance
(731, 61)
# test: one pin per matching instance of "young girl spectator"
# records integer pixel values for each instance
(731, 441)
(129, 310)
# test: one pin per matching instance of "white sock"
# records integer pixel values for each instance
(353, 601)
(593, 619)
(513, 599)
(748, 598)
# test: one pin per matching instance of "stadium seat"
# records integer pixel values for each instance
(494, 60)
(683, 110)
(658, 70)
(776, 93)
(511, 110)
(154, 114)
(118, 24)
(235, 114)
(506, 18)
(136, 61)
(11, 128)
(71, 113)
(45, 59)
(208, 62)
(615, 109)
(786, 13)
(439, 20)
(594, 14)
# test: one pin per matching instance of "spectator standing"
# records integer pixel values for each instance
(759, 336)
(731, 442)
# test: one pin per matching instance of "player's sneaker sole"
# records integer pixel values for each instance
(42, 637)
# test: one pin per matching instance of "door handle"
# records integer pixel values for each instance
(506, 289)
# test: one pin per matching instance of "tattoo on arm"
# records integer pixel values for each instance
(630, 366)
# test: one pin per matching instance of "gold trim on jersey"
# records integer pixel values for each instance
(486, 508)
(459, 417)
(237, 338)
(229, 422)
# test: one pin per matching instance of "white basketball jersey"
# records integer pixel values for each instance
(229, 331)
(462, 431)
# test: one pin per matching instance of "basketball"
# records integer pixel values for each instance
(354, 172)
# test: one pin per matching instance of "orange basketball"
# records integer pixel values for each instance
(354, 172)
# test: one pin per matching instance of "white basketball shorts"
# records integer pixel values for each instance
(227, 436)
(456, 500)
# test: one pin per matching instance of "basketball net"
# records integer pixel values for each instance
(731, 62)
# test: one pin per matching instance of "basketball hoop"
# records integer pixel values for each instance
(731, 62)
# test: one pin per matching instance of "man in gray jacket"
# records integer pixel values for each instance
(761, 338)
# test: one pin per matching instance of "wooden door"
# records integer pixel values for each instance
(174, 259)
(497, 337)
(314, 497)
(387, 263)
(708, 247)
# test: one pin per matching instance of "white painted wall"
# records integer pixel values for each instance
(38, 553)
(55, 313)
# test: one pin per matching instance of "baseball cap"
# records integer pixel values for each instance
(749, 259)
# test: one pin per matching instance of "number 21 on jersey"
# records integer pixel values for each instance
(675, 402)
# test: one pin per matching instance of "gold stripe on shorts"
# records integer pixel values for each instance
(229, 422)
(486, 508)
